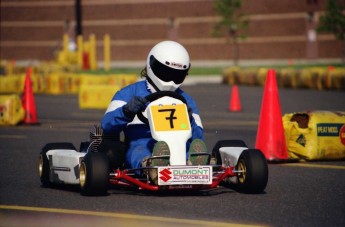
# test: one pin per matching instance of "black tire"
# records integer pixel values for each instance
(225, 143)
(115, 152)
(253, 177)
(43, 166)
(94, 174)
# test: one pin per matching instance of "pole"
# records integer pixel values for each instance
(107, 52)
(78, 17)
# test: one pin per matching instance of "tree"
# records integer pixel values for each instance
(232, 20)
(333, 21)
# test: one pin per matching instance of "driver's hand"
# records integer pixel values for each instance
(134, 106)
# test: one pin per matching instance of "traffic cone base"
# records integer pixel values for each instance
(235, 103)
(28, 100)
(270, 136)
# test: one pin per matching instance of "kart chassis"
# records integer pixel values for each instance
(232, 162)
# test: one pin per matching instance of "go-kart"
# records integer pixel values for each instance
(99, 162)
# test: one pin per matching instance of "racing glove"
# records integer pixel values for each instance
(134, 106)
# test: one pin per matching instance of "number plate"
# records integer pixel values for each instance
(170, 117)
(175, 175)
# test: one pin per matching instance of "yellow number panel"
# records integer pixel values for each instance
(170, 117)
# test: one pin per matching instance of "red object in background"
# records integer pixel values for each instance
(86, 61)
(28, 100)
(270, 137)
(235, 103)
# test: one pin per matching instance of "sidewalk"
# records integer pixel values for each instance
(211, 79)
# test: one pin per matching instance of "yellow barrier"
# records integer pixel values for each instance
(15, 84)
(71, 83)
(80, 51)
(62, 83)
(92, 53)
(248, 76)
(287, 77)
(86, 79)
(12, 84)
(317, 74)
(107, 52)
(96, 92)
(231, 75)
(38, 83)
(11, 110)
(315, 135)
(337, 78)
(122, 80)
(10, 67)
(96, 96)
(261, 77)
(54, 84)
(309, 77)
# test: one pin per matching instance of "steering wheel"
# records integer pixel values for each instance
(159, 94)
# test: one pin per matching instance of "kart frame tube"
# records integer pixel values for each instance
(122, 175)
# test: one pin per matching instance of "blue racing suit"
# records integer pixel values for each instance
(137, 134)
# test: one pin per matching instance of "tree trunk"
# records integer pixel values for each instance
(234, 46)
(343, 48)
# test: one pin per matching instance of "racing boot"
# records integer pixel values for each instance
(161, 148)
(197, 154)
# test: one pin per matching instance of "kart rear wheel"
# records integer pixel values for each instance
(43, 162)
(94, 174)
(43, 168)
(115, 152)
(225, 143)
(253, 172)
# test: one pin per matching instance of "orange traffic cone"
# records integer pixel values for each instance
(270, 137)
(235, 103)
(28, 100)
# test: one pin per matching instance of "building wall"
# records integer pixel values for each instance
(277, 30)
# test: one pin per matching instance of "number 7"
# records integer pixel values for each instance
(171, 118)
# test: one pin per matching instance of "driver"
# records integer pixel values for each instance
(166, 68)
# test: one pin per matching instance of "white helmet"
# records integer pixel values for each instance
(167, 65)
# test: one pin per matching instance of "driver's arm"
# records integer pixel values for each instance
(197, 128)
(114, 119)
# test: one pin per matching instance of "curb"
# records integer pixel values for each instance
(210, 79)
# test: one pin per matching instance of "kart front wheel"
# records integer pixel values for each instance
(94, 174)
(252, 172)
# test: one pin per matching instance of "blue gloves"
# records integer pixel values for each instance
(134, 106)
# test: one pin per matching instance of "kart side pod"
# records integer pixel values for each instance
(230, 155)
(59, 163)
(64, 166)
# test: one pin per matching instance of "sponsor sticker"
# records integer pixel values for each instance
(328, 129)
(175, 175)
(332, 129)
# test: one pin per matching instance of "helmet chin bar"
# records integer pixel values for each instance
(160, 85)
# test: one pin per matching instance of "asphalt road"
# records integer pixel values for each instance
(297, 194)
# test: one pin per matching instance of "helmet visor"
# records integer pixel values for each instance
(166, 73)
